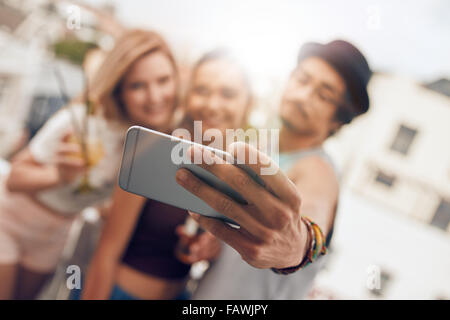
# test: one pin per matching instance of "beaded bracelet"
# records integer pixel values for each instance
(316, 247)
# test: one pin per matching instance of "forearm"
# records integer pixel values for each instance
(321, 213)
(31, 179)
(100, 280)
(115, 236)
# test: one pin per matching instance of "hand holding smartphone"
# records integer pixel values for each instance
(148, 169)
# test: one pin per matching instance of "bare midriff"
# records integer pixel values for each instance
(144, 286)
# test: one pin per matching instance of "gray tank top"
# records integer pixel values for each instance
(231, 278)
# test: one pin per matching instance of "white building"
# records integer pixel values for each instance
(403, 150)
(392, 237)
(23, 36)
(27, 67)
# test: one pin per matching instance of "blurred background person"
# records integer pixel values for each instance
(72, 162)
(136, 257)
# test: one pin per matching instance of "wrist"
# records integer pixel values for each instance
(56, 177)
(50, 178)
(314, 248)
(305, 241)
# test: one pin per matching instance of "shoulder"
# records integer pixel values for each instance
(315, 167)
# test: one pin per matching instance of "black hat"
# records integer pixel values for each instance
(349, 63)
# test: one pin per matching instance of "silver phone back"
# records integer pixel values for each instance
(148, 170)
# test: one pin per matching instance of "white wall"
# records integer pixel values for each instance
(367, 233)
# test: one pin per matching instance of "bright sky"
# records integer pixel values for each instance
(410, 38)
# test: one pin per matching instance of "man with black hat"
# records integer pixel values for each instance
(287, 225)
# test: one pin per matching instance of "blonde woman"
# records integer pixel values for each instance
(50, 183)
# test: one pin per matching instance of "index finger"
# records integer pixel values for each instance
(263, 168)
(230, 235)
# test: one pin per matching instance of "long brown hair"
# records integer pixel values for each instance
(104, 88)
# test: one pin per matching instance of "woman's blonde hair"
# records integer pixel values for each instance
(105, 86)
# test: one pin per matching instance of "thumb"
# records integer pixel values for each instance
(68, 136)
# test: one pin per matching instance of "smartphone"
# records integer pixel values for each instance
(148, 170)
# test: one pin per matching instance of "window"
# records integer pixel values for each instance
(42, 108)
(404, 139)
(441, 217)
(385, 179)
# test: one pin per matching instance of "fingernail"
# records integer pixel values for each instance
(194, 216)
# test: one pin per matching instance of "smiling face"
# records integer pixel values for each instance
(148, 91)
(311, 98)
(219, 95)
